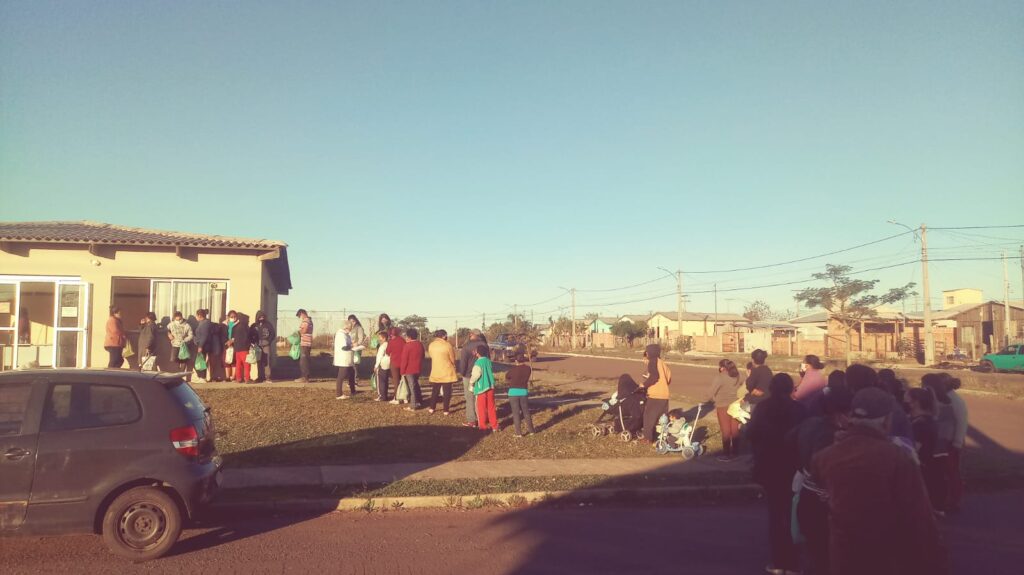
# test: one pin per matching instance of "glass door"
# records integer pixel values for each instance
(8, 325)
(71, 321)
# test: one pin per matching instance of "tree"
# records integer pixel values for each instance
(848, 300)
(418, 322)
(629, 331)
(758, 310)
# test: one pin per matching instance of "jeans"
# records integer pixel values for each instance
(812, 514)
(415, 394)
(730, 431)
(383, 375)
(486, 413)
(521, 411)
(467, 392)
(345, 373)
(396, 376)
(304, 362)
(954, 483)
(446, 389)
(654, 409)
(116, 359)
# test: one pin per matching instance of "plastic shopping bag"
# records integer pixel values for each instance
(200, 362)
(183, 353)
(254, 354)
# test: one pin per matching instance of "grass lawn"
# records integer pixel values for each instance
(307, 426)
(468, 487)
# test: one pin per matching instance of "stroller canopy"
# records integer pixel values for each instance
(626, 386)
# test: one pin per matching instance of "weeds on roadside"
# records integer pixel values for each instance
(516, 501)
(453, 502)
(368, 506)
(397, 505)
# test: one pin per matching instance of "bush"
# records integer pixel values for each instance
(683, 344)
(323, 341)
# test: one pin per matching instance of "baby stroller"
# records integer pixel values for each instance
(623, 412)
(678, 437)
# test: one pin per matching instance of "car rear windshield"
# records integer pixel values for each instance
(187, 397)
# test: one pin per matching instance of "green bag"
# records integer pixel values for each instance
(295, 339)
(200, 362)
(183, 353)
(295, 352)
(373, 381)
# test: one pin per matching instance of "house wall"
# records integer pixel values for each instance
(669, 329)
(974, 325)
(243, 269)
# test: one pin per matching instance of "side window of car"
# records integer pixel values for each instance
(83, 406)
(13, 405)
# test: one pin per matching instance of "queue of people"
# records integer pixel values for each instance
(851, 462)
(229, 350)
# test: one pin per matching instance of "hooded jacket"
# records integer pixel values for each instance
(658, 376)
(442, 362)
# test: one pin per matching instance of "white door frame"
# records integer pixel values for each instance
(57, 282)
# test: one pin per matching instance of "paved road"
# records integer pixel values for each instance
(707, 540)
(997, 423)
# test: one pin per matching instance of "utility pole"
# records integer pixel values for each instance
(456, 334)
(1006, 301)
(572, 344)
(679, 305)
(515, 317)
(929, 337)
(483, 322)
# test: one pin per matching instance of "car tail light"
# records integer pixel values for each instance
(186, 441)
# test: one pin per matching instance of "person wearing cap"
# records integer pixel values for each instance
(812, 382)
(881, 520)
(305, 344)
(774, 466)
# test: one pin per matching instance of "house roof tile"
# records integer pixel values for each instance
(100, 233)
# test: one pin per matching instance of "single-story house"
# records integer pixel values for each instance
(634, 318)
(601, 325)
(886, 335)
(665, 325)
(59, 279)
(979, 328)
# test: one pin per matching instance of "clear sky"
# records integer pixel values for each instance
(461, 157)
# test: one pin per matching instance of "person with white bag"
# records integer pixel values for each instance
(147, 342)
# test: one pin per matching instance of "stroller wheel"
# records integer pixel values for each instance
(626, 436)
(699, 449)
(597, 430)
(661, 447)
(689, 452)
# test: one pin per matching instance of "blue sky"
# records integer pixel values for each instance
(460, 157)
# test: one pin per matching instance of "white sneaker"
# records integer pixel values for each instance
(341, 397)
(393, 402)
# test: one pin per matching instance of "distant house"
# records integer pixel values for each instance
(980, 327)
(666, 325)
(602, 325)
(961, 296)
(634, 318)
(879, 337)
(58, 279)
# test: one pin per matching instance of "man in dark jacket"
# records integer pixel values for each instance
(759, 378)
(465, 366)
(238, 338)
(263, 335)
(147, 342)
(203, 340)
(881, 519)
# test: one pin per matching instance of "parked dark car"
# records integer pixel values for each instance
(125, 454)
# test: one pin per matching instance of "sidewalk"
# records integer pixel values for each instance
(305, 476)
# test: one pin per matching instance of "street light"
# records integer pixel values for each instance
(572, 292)
(929, 338)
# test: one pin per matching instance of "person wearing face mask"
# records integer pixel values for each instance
(238, 340)
(180, 334)
(263, 334)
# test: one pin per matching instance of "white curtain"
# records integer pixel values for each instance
(163, 305)
(191, 296)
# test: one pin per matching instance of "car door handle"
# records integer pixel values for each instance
(16, 453)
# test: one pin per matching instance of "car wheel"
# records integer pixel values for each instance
(143, 523)
(986, 366)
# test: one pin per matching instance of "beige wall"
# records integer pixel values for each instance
(243, 269)
(670, 329)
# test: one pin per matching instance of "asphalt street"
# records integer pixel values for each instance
(708, 540)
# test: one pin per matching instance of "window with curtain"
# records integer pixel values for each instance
(187, 297)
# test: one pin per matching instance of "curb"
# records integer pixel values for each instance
(477, 501)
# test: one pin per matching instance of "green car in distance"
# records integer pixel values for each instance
(1011, 358)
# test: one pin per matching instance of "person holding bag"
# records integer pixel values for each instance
(147, 342)
(238, 341)
(180, 334)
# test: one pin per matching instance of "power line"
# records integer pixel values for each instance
(801, 259)
(976, 227)
(659, 278)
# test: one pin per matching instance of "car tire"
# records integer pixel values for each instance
(141, 524)
(986, 366)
